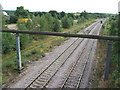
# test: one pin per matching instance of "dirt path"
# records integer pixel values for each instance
(12, 26)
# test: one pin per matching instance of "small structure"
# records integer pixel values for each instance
(77, 14)
(24, 20)
(4, 13)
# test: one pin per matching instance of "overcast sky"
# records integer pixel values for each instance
(101, 6)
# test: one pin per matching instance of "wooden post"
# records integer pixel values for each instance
(109, 52)
(18, 52)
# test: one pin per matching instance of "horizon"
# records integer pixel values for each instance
(92, 6)
(61, 11)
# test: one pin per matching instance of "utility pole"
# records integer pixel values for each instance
(18, 52)
(109, 52)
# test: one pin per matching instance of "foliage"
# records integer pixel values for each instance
(24, 39)
(67, 22)
(56, 25)
(35, 25)
(41, 23)
(46, 22)
(3, 22)
(21, 12)
(81, 20)
(115, 28)
(13, 19)
(62, 14)
(53, 13)
(84, 14)
(34, 51)
(8, 43)
(8, 40)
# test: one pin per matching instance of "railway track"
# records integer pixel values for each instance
(73, 76)
(44, 77)
(64, 67)
(76, 72)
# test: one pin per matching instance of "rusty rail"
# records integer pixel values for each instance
(103, 37)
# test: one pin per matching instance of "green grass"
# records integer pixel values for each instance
(114, 76)
(35, 51)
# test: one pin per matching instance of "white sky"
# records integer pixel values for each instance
(101, 6)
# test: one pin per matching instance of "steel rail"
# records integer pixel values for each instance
(75, 64)
(72, 68)
(80, 78)
(57, 68)
(51, 63)
(86, 62)
(91, 28)
(57, 58)
(61, 65)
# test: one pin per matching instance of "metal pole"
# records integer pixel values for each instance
(114, 38)
(18, 51)
(109, 52)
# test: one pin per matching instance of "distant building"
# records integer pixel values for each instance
(24, 20)
(9, 12)
(4, 13)
(77, 14)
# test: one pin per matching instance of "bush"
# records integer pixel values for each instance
(8, 43)
(67, 22)
(81, 20)
(56, 25)
(116, 52)
(34, 52)
(13, 19)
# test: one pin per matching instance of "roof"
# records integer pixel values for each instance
(4, 13)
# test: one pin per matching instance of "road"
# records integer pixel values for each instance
(12, 26)
(67, 66)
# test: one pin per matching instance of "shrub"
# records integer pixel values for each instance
(67, 22)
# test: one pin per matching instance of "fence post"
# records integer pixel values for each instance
(109, 52)
(18, 52)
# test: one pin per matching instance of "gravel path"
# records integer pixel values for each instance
(12, 26)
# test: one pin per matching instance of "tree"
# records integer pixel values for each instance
(84, 14)
(44, 23)
(62, 14)
(71, 15)
(56, 25)
(118, 32)
(81, 20)
(8, 39)
(38, 13)
(13, 19)
(8, 43)
(21, 12)
(35, 23)
(54, 13)
(66, 22)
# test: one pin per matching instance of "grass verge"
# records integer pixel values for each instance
(100, 61)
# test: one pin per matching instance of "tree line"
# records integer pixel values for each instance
(51, 21)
